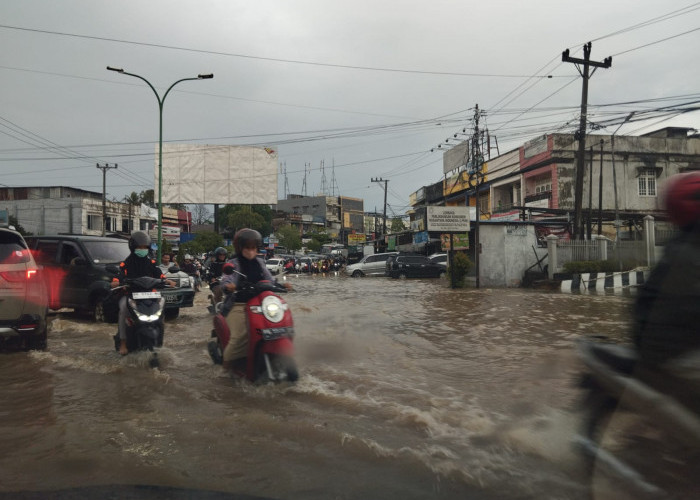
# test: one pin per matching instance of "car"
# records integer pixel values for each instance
(439, 258)
(23, 294)
(413, 266)
(77, 276)
(369, 265)
(275, 265)
(182, 295)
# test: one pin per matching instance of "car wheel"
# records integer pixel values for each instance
(171, 314)
(357, 274)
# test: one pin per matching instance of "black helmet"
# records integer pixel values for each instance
(220, 251)
(244, 238)
(139, 239)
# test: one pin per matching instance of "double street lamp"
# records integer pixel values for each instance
(160, 144)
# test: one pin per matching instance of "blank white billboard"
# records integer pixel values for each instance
(193, 173)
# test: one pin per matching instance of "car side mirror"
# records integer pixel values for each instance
(78, 261)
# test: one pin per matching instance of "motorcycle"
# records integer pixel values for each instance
(144, 321)
(270, 334)
(652, 422)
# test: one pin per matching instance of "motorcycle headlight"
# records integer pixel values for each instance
(273, 308)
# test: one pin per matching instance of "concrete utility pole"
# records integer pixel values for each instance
(384, 217)
(587, 63)
(477, 165)
(104, 194)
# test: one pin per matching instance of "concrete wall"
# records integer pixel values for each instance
(506, 253)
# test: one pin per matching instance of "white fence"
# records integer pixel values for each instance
(641, 252)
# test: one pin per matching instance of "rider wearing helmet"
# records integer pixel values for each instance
(214, 272)
(248, 267)
(666, 313)
(137, 264)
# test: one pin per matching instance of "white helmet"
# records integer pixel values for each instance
(188, 256)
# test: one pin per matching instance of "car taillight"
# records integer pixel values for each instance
(18, 276)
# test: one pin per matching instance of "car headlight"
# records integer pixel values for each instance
(273, 308)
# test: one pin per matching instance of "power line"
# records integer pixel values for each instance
(261, 58)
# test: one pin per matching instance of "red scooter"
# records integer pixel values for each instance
(270, 334)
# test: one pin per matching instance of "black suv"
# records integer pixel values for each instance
(77, 275)
(413, 266)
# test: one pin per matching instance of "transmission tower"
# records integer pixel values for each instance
(324, 187)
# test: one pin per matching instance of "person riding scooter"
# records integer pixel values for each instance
(214, 273)
(250, 267)
(137, 264)
(666, 314)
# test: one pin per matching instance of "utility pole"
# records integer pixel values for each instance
(384, 217)
(600, 191)
(477, 164)
(104, 194)
(586, 74)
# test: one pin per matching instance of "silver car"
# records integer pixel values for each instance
(23, 294)
(370, 265)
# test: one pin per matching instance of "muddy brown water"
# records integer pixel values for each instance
(408, 389)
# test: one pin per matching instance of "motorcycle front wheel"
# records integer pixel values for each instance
(284, 368)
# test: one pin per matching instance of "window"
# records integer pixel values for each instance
(68, 253)
(647, 182)
(94, 222)
(543, 185)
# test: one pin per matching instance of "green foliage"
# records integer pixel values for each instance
(591, 266)
(460, 266)
(397, 225)
(314, 245)
(258, 217)
(146, 197)
(289, 237)
(203, 242)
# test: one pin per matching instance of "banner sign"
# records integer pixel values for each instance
(448, 219)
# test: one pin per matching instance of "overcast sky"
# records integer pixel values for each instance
(367, 88)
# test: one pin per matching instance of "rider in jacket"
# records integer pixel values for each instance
(137, 264)
(246, 243)
(666, 313)
(215, 271)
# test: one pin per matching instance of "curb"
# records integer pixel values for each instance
(604, 282)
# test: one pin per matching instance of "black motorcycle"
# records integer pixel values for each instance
(641, 429)
(144, 321)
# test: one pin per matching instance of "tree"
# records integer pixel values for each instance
(133, 199)
(397, 225)
(263, 224)
(289, 237)
(245, 217)
(147, 198)
(203, 242)
(201, 214)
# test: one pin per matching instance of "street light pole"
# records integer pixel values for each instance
(160, 143)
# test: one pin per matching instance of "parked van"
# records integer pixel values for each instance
(369, 265)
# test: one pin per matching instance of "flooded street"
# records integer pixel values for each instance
(407, 390)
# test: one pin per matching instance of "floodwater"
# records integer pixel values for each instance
(408, 390)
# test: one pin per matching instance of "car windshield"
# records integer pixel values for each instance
(107, 251)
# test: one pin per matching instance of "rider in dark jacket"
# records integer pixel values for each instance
(667, 309)
(214, 272)
(137, 264)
